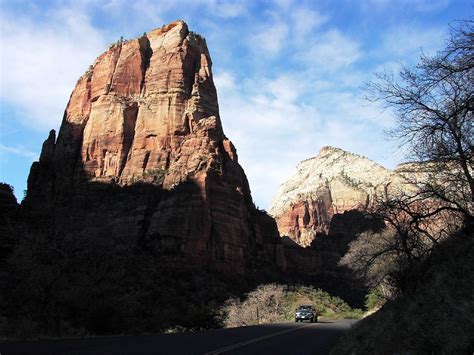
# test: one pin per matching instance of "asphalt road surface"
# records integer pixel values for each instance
(281, 338)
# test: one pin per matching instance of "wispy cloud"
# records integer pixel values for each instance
(330, 52)
(269, 39)
(224, 81)
(18, 150)
(42, 61)
(408, 41)
(228, 9)
(305, 20)
(422, 6)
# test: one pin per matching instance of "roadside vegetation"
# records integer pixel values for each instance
(434, 316)
(271, 303)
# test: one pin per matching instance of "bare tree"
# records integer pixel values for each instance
(434, 105)
(415, 225)
(263, 305)
(375, 258)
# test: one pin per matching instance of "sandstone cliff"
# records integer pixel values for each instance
(141, 153)
(331, 183)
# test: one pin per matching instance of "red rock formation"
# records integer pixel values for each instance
(141, 153)
(304, 219)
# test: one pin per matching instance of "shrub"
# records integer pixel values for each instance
(374, 299)
(156, 175)
(273, 303)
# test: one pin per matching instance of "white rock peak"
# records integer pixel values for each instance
(335, 170)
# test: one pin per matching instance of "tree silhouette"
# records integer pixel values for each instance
(433, 105)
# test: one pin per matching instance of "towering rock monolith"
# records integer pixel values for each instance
(141, 154)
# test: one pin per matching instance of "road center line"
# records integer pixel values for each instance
(246, 342)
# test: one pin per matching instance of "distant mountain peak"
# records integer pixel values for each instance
(332, 182)
(329, 149)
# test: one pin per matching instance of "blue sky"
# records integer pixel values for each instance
(288, 73)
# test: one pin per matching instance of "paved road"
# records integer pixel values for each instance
(281, 338)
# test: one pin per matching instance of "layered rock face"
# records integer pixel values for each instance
(141, 153)
(147, 107)
(331, 183)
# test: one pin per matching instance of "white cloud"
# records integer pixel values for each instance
(413, 5)
(407, 42)
(330, 52)
(224, 81)
(288, 26)
(227, 9)
(19, 150)
(428, 5)
(284, 4)
(269, 39)
(149, 11)
(41, 62)
(285, 89)
(305, 20)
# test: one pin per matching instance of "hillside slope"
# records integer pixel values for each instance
(435, 316)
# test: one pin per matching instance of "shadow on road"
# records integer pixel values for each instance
(281, 338)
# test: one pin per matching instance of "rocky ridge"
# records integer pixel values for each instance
(141, 154)
(331, 183)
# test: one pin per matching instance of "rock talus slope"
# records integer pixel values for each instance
(141, 153)
(331, 183)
